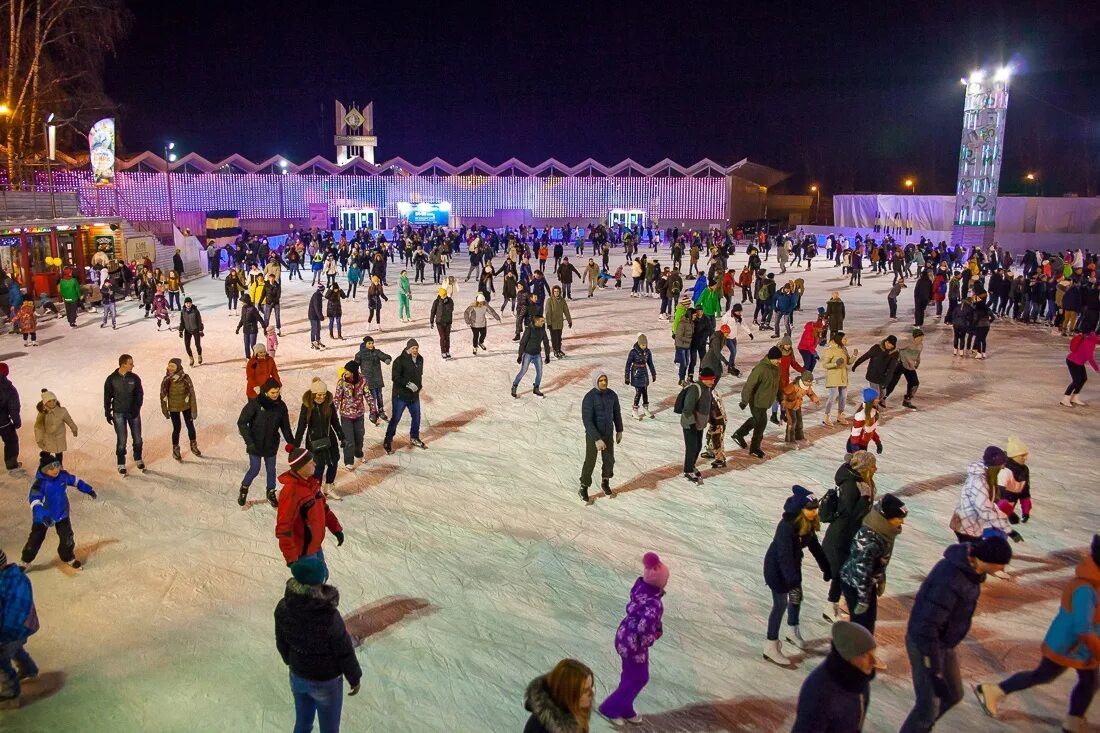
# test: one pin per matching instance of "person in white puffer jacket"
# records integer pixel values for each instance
(738, 331)
(977, 508)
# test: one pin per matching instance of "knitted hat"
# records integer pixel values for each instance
(892, 507)
(47, 460)
(308, 570)
(411, 343)
(480, 298)
(298, 456)
(352, 366)
(269, 385)
(643, 341)
(869, 394)
(685, 300)
(737, 308)
(992, 548)
(775, 353)
(994, 456)
(368, 339)
(892, 340)
(259, 349)
(862, 460)
(800, 498)
(851, 640)
(317, 386)
(443, 292)
(918, 331)
(724, 328)
(47, 395)
(655, 572)
(820, 310)
(188, 300)
(1014, 449)
(3, 365)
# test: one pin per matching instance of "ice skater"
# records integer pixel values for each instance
(50, 508)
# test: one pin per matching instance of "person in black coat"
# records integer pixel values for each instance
(316, 314)
(834, 697)
(319, 432)
(882, 360)
(250, 321)
(10, 420)
(855, 482)
(796, 531)
(122, 399)
(441, 317)
(314, 643)
(406, 376)
(601, 417)
(922, 296)
(260, 423)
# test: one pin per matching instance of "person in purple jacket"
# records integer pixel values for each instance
(636, 634)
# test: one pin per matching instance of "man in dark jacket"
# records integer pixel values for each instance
(534, 339)
(697, 404)
(268, 300)
(855, 493)
(882, 360)
(407, 375)
(601, 417)
(122, 399)
(316, 314)
(313, 641)
(834, 696)
(370, 361)
(191, 328)
(940, 620)
(760, 390)
(18, 621)
(260, 423)
(566, 271)
(922, 296)
(441, 317)
(10, 421)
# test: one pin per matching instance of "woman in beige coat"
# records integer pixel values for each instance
(837, 361)
(49, 426)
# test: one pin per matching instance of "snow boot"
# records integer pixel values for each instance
(605, 485)
(1076, 400)
(272, 499)
(243, 496)
(176, 453)
(794, 635)
(989, 696)
(514, 395)
(1066, 402)
(773, 653)
(195, 449)
(537, 393)
(1073, 724)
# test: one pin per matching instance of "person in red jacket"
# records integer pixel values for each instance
(787, 362)
(259, 368)
(939, 291)
(303, 512)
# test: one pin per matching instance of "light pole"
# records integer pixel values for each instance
(169, 158)
(282, 205)
(817, 205)
(1031, 179)
(49, 130)
(911, 184)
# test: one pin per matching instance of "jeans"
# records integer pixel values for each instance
(122, 422)
(173, 300)
(376, 393)
(620, 703)
(893, 302)
(1048, 671)
(249, 343)
(323, 700)
(175, 418)
(353, 438)
(314, 330)
(335, 320)
(779, 318)
(929, 708)
(757, 421)
(731, 347)
(781, 602)
(254, 470)
(840, 395)
(14, 660)
(326, 469)
(809, 359)
(693, 443)
(528, 361)
(110, 311)
(686, 358)
(590, 452)
(277, 310)
(399, 407)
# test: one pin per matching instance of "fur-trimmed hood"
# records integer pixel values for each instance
(307, 401)
(552, 716)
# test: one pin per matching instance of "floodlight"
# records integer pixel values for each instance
(1003, 73)
(977, 75)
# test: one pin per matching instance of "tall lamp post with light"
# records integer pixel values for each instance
(1032, 183)
(169, 158)
(911, 184)
(49, 129)
(817, 203)
(282, 202)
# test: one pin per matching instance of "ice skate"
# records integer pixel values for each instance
(417, 443)
(176, 453)
(121, 469)
(76, 564)
(192, 360)
(1074, 724)
(831, 613)
(141, 466)
(1066, 402)
(636, 413)
(827, 421)
(538, 393)
(583, 494)
(349, 467)
(330, 493)
(242, 497)
(1076, 400)
(739, 440)
(842, 419)
(648, 414)
(757, 453)
(773, 653)
(908, 403)
(794, 635)
(718, 463)
(195, 449)
(388, 448)
(272, 499)
(989, 696)
(605, 486)
(514, 395)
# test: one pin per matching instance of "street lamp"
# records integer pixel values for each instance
(5, 109)
(817, 204)
(50, 132)
(911, 184)
(169, 158)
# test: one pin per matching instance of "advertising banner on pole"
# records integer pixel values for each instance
(101, 143)
(318, 216)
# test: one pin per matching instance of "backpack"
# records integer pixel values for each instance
(678, 408)
(762, 293)
(829, 505)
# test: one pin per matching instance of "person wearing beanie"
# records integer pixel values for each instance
(795, 532)
(940, 619)
(260, 423)
(863, 575)
(812, 334)
(319, 430)
(908, 362)
(834, 314)
(260, 368)
(557, 318)
(178, 400)
(695, 405)
(334, 311)
(844, 508)
(793, 394)
(737, 331)
(683, 337)
(304, 513)
(441, 318)
(20, 622)
(758, 393)
(534, 339)
(638, 374)
(602, 419)
(191, 329)
(865, 423)
(370, 361)
(977, 506)
(352, 404)
(122, 399)
(837, 361)
(375, 295)
(1072, 642)
(50, 423)
(836, 694)
(637, 632)
(49, 502)
(314, 643)
(787, 362)
(250, 321)
(1014, 482)
(408, 378)
(477, 315)
(882, 361)
(315, 311)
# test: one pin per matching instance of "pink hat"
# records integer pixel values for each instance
(655, 572)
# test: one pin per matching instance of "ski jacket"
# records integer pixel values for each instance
(641, 627)
(1073, 639)
(122, 393)
(639, 367)
(257, 371)
(190, 320)
(443, 310)
(534, 338)
(872, 547)
(48, 497)
(303, 516)
(944, 606)
(310, 634)
(9, 404)
(976, 509)
(49, 428)
(315, 311)
(18, 617)
(177, 394)
(370, 364)
(557, 313)
(783, 560)
(762, 386)
(351, 399)
(854, 499)
(600, 412)
(260, 423)
(864, 429)
(881, 363)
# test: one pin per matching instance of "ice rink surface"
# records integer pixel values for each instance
(472, 567)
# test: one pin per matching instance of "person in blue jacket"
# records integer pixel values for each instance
(783, 305)
(18, 620)
(1072, 642)
(50, 507)
(601, 417)
(639, 369)
(940, 620)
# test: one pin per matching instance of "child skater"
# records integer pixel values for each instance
(160, 308)
(1014, 482)
(865, 424)
(639, 369)
(793, 394)
(50, 507)
(272, 340)
(26, 322)
(636, 634)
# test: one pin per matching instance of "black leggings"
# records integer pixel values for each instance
(187, 336)
(960, 338)
(175, 417)
(1048, 671)
(641, 394)
(980, 335)
(66, 543)
(375, 314)
(479, 335)
(1079, 377)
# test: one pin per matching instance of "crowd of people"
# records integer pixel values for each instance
(707, 321)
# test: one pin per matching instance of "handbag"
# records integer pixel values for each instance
(317, 444)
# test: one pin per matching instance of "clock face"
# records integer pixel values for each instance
(354, 119)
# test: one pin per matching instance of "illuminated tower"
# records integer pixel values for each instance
(354, 133)
(980, 154)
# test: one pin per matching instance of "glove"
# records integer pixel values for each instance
(110, 420)
(163, 412)
(750, 337)
(939, 686)
(878, 448)
(626, 382)
(519, 359)
(654, 380)
(861, 608)
(600, 445)
(238, 331)
(618, 437)
(1013, 518)
(180, 333)
(91, 493)
(251, 449)
(339, 538)
(201, 334)
(827, 575)
(1016, 536)
(412, 387)
(354, 690)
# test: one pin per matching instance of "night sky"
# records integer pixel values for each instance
(855, 97)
